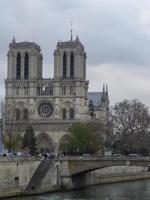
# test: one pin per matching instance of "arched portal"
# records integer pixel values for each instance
(25, 114)
(71, 113)
(64, 113)
(45, 143)
(18, 113)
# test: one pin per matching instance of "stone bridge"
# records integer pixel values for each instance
(33, 176)
(80, 165)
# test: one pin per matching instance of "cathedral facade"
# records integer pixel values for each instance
(50, 106)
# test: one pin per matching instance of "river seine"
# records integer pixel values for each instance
(138, 190)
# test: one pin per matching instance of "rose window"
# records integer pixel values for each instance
(45, 110)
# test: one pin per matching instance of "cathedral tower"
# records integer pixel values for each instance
(50, 105)
(24, 61)
(70, 60)
(70, 75)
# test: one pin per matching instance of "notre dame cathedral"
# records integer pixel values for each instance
(50, 106)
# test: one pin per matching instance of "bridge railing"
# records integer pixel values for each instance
(63, 158)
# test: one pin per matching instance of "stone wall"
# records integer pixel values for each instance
(16, 176)
(98, 177)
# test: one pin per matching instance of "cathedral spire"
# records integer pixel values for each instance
(71, 32)
(103, 88)
(103, 93)
(13, 40)
(106, 89)
(77, 39)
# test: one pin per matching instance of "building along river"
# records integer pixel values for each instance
(136, 190)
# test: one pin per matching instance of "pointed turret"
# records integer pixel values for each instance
(103, 88)
(77, 39)
(71, 38)
(13, 40)
(106, 89)
(103, 93)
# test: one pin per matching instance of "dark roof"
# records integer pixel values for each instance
(24, 44)
(95, 97)
(71, 43)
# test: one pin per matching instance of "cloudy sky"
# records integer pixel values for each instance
(115, 34)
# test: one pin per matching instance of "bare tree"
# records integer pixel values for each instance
(10, 137)
(2, 109)
(2, 119)
(130, 117)
(130, 121)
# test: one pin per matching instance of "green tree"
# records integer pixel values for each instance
(12, 141)
(29, 140)
(82, 138)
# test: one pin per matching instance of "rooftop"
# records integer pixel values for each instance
(24, 44)
(96, 97)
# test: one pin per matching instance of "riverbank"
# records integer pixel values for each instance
(24, 177)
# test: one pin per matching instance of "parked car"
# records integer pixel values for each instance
(86, 155)
(10, 154)
(133, 155)
(116, 154)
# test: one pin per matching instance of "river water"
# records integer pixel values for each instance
(138, 190)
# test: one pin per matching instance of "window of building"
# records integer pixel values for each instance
(63, 90)
(18, 67)
(64, 65)
(17, 114)
(64, 113)
(51, 90)
(38, 90)
(71, 90)
(71, 65)
(16, 180)
(26, 91)
(17, 91)
(26, 66)
(71, 113)
(25, 114)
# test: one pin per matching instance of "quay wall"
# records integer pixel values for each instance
(117, 174)
(16, 175)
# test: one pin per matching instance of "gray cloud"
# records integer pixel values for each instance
(116, 36)
(122, 81)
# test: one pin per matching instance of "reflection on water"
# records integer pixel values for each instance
(139, 190)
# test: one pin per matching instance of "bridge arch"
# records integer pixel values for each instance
(84, 165)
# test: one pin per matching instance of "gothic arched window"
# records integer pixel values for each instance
(71, 65)
(26, 66)
(17, 114)
(71, 90)
(64, 65)
(25, 114)
(64, 113)
(63, 90)
(71, 113)
(18, 67)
